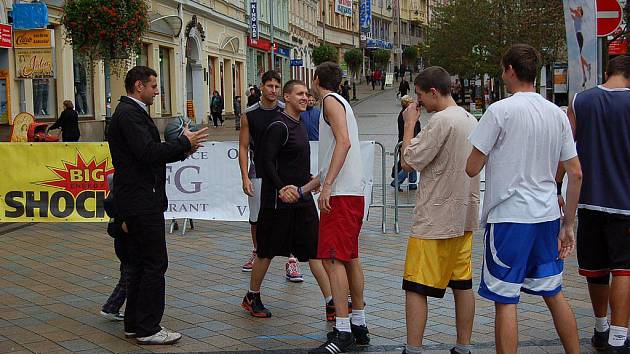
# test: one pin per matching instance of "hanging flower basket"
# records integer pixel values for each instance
(108, 30)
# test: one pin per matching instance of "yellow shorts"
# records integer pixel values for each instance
(433, 265)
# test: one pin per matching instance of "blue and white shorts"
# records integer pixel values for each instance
(521, 257)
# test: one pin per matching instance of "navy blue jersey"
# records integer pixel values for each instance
(603, 145)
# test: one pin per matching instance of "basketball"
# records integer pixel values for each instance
(175, 128)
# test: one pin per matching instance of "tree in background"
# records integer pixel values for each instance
(354, 58)
(410, 55)
(325, 53)
(465, 41)
(382, 57)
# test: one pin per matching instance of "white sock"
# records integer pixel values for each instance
(617, 336)
(358, 317)
(343, 324)
(328, 298)
(601, 324)
(254, 292)
(413, 350)
(462, 348)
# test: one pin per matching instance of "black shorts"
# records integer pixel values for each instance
(603, 244)
(282, 232)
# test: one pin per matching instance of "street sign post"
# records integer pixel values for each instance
(609, 15)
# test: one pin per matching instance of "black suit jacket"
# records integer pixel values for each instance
(140, 159)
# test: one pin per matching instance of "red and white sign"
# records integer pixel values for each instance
(6, 39)
(609, 14)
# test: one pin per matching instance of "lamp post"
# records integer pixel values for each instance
(273, 59)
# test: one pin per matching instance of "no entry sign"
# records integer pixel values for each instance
(609, 16)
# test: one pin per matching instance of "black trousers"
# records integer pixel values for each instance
(146, 265)
(216, 117)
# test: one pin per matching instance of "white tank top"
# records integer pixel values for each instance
(350, 180)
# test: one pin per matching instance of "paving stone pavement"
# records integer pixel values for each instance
(55, 277)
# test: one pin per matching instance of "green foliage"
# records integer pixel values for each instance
(109, 30)
(354, 58)
(325, 53)
(382, 56)
(465, 40)
(410, 54)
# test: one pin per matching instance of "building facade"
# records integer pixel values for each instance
(195, 47)
(305, 35)
(340, 25)
(259, 57)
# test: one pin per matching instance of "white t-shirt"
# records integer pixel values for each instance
(350, 180)
(525, 137)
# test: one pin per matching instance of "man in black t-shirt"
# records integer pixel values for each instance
(288, 223)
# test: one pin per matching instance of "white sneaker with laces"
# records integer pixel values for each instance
(292, 269)
(161, 337)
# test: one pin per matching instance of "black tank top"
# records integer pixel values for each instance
(259, 119)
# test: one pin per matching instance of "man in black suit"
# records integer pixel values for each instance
(140, 159)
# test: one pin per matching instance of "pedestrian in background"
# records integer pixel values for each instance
(345, 90)
(252, 98)
(310, 117)
(68, 122)
(403, 88)
(140, 159)
(405, 101)
(216, 108)
(237, 112)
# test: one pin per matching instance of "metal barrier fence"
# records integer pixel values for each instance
(383, 204)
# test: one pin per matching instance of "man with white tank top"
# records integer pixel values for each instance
(341, 204)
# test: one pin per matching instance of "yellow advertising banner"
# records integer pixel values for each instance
(34, 63)
(34, 38)
(54, 182)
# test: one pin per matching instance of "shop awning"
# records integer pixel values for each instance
(170, 25)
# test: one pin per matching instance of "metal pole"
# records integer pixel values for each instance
(273, 49)
(324, 21)
(352, 22)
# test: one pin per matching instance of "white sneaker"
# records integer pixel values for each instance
(113, 316)
(161, 337)
(130, 335)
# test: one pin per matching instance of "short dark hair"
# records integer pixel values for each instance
(434, 77)
(270, 75)
(329, 75)
(525, 61)
(619, 66)
(138, 73)
(288, 87)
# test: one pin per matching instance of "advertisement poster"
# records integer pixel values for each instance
(580, 23)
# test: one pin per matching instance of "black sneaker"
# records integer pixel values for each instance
(252, 304)
(338, 342)
(360, 334)
(453, 351)
(623, 349)
(599, 340)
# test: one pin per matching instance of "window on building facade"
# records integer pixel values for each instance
(44, 98)
(83, 93)
(165, 80)
(142, 58)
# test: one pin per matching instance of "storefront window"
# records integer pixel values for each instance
(83, 95)
(165, 80)
(44, 96)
